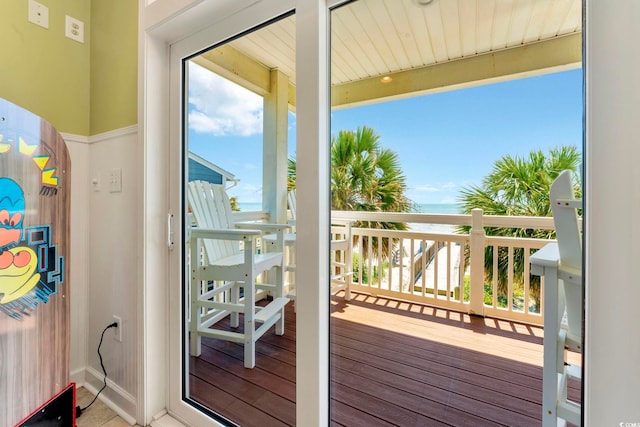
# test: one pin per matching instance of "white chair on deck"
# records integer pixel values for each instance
(223, 259)
(341, 247)
(341, 262)
(561, 266)
(291, 201)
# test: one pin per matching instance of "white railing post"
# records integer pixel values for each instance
(476, 248)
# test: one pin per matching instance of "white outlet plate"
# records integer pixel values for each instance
(115, 181)
(74, 29)
(38, 14)
(117, 331)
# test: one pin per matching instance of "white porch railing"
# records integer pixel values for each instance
(433, 265)
(446, 269)
(413, 266)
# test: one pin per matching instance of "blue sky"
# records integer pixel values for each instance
(445, 141)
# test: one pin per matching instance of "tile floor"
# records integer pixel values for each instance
(98, 415)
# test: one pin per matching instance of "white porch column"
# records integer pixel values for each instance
(274, 168)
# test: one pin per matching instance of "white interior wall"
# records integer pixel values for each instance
(112, 257)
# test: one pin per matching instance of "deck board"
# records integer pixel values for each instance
(392, 363)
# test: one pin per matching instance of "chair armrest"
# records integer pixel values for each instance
(262, 226)
(276, 230)
(224, 234)
(342, 222)
(548, 256)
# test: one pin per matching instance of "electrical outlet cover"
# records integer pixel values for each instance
(115, 181)
(74, 29)
(117, 331)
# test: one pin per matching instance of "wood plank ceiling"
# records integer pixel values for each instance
(375, 38)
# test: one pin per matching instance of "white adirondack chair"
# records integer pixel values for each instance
(561, 266)
(291, 201)
(224, 259)
(341, 262)
(341, 248)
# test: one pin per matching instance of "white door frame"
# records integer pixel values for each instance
(163, 45)
(612, 207)
(204, 39)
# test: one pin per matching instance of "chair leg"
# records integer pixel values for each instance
(550, 344)
(280, 323)
(195, 343)
(195, 347)
(249, 354)
(348, 272)
(249, 324)
(279, 293)
(235, 298)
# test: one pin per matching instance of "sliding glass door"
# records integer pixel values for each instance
(233, 335)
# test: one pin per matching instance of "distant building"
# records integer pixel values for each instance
(204, 170)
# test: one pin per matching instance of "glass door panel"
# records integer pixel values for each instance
(239, 131)
(438, 108)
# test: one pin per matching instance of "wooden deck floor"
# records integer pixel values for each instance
(392, 363)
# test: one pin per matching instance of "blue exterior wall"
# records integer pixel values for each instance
(203, 173)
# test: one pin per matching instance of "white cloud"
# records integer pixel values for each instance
(247, 193)
(434, 192)
(292, 121)
(221, 107)
(448, 200)
(250, 166)
(427, 188)
(436, 188)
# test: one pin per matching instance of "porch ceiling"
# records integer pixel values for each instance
(443, 45)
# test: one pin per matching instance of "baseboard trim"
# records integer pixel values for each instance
(114, 396)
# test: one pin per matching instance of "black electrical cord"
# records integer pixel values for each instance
(79, 410)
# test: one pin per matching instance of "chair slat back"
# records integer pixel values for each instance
(211, 208)
(291, 199)
(565, 218)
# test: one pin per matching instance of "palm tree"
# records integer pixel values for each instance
(291, 174)
(233, 201)
(519, 186)
(364, 177)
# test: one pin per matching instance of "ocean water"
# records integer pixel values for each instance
(438, 208)
(433, 208)
(250, 207)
